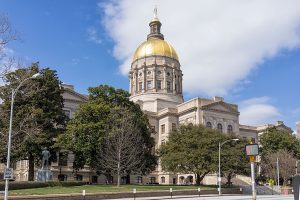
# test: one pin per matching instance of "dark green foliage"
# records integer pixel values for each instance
(35, 184)
(275, 139)
(38, 115)
(233, 159)
(194, 149)
(191, 149)
(92, 123)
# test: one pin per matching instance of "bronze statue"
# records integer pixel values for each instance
(45, 161)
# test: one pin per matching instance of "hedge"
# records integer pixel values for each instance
(35, 184)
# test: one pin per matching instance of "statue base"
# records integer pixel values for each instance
(44, 175)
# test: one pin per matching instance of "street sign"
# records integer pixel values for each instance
(251, 149)
(8, 173)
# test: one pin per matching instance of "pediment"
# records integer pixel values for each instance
(71, 95)
(221, 106)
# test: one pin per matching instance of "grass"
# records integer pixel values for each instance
(90, 189)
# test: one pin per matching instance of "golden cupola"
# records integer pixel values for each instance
(155, 73)
(155, 44)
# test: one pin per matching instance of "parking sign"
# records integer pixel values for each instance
(8, 173)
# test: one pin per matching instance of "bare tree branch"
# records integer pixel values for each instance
(122, 151)
(287, 165)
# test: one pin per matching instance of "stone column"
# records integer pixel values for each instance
(154, 77)
(165, 79)
(144, 79)
(174, 82)
(136, 81)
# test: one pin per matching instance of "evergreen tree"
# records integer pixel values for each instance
(38, 115)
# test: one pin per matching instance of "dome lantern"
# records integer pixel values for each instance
(155, 26)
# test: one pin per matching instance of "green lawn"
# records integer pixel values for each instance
(101, 189)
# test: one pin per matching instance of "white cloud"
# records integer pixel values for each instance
(93, 35)
(219, 42)
(258, 111)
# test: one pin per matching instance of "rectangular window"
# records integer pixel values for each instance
(163, 128)
(253, 140)
(63, 159)
(149, 84)
(152, 129)
(139, 179)
(152, 180)
(140, 86)
(173, 126)
(159, 85)
(68, 113)
(168, 85)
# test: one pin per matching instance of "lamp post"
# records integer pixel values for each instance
(13, 95)
(219, 178)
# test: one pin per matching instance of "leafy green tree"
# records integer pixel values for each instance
(233, 159)
(275, 139)
(191, 149)
(88, 130)
(194, 149)
(38, 115)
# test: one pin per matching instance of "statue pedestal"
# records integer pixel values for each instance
(44, 175)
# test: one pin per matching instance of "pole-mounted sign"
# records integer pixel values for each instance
(252, 150)
(8, 173)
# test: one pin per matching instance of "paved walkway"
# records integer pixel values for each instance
(210, 197)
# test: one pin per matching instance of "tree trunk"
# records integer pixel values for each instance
(31, 168)
(197, 179)
(119, 168)
(201, 177)
(119, 178)
(229, 177)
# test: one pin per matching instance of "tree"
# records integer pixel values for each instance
(87, 132)
(123, 150)
(233, 159)
(7, 34)
(191, 149)
(38, 115)
(194, 149)
(286, 162)
(275, 139)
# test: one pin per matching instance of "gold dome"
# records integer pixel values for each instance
(155, 47)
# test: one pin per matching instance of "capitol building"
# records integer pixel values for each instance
(156, 85)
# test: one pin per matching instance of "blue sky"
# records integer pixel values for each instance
(246, 52)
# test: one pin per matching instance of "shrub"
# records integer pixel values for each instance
(35, 184)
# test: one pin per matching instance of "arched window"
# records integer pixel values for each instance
(181, 178)
(163, 179)
(208, 125)
(220, 127)
(229, 129)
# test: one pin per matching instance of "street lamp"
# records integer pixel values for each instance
(13, 95)
(220, 145)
